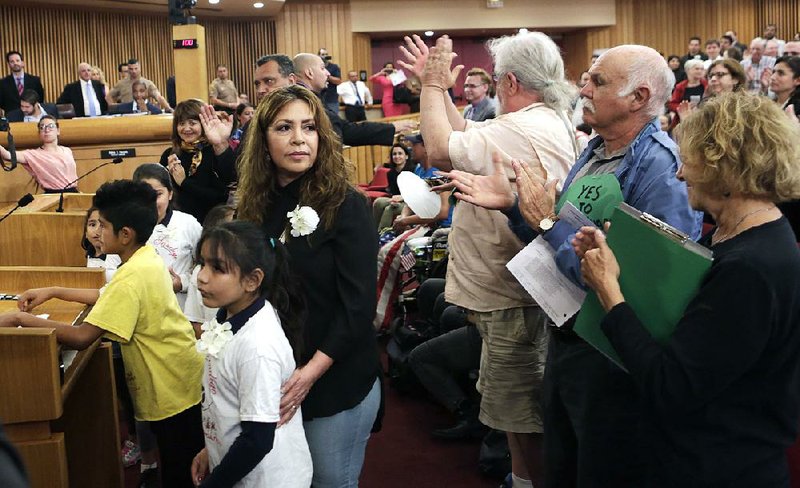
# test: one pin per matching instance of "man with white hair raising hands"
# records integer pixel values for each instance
(592, 409)
(531, 125)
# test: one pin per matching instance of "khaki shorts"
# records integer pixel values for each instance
(512, 368)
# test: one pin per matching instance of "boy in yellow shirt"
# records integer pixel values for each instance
(139, 310)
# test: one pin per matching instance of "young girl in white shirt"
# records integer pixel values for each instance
(251, 351)
(195, 311)
(176, 234)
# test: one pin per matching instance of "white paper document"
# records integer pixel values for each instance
(398, 77)
(535, 269)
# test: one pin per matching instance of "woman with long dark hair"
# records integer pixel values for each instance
(294, 183)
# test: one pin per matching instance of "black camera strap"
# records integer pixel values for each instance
(12, 148)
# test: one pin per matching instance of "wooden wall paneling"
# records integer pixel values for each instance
(306, 26)
(785, 14)
(666, 25)
(54, 40)
(362, 54)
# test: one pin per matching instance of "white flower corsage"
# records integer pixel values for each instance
(214, 337)
(304, 220)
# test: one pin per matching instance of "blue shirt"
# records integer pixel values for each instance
(425, 173)
(647, 178)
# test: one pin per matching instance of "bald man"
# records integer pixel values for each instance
(86, 95)
(310, 72)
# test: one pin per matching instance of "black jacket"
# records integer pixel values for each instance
(208, 186)
(336, 269)
(9, 96)
(358, 133)
(73, 93)
(16, 115)
(127, 108)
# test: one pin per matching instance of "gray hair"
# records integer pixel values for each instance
(759, 40)
(285, 65)
(691, 63)
(536, 62)
(646, 68)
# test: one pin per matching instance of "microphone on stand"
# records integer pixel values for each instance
(24, 201)
(60, 208)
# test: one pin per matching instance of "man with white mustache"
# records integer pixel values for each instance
(592, 410)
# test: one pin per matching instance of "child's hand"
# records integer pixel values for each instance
(200, 467)
(33, 298)
(177, 285)
(8, 319)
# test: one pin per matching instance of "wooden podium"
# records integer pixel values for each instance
(37, 235)
(66, 429)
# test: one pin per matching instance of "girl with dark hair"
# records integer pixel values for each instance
(195, 311)
(244, 112)
(294, 182)
(250, 350)
(93, 245)
(385, 209)
(200, 162)
(176, 233)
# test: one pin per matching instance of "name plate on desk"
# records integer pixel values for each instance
(118, 153)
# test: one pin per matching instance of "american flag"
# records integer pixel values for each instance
(407, 260)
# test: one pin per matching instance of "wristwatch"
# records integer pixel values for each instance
(547, 223)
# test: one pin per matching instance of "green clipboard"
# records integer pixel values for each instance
(661, 269)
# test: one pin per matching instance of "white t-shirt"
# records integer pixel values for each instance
(110, 263)
(175, 243)
(244, 384)
(195, 310)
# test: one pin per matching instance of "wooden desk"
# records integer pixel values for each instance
(43, 239)
(66, 432)
(85, 131)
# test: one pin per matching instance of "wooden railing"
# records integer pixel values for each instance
(149, 136)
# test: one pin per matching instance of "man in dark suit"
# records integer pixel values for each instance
(86, 95)
(12, 86)
(140, 103)
(30, 110)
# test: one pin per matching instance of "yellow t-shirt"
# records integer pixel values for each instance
(139, 309)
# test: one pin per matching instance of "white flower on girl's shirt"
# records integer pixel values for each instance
(214, 337)
(304, 220)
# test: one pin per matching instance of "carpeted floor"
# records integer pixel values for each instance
(404, 454)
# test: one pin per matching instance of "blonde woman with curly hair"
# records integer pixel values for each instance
(722, 394)
(293, 181)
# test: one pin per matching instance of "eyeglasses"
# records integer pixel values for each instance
(46, 127)
(470, 85)
(718, 74)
